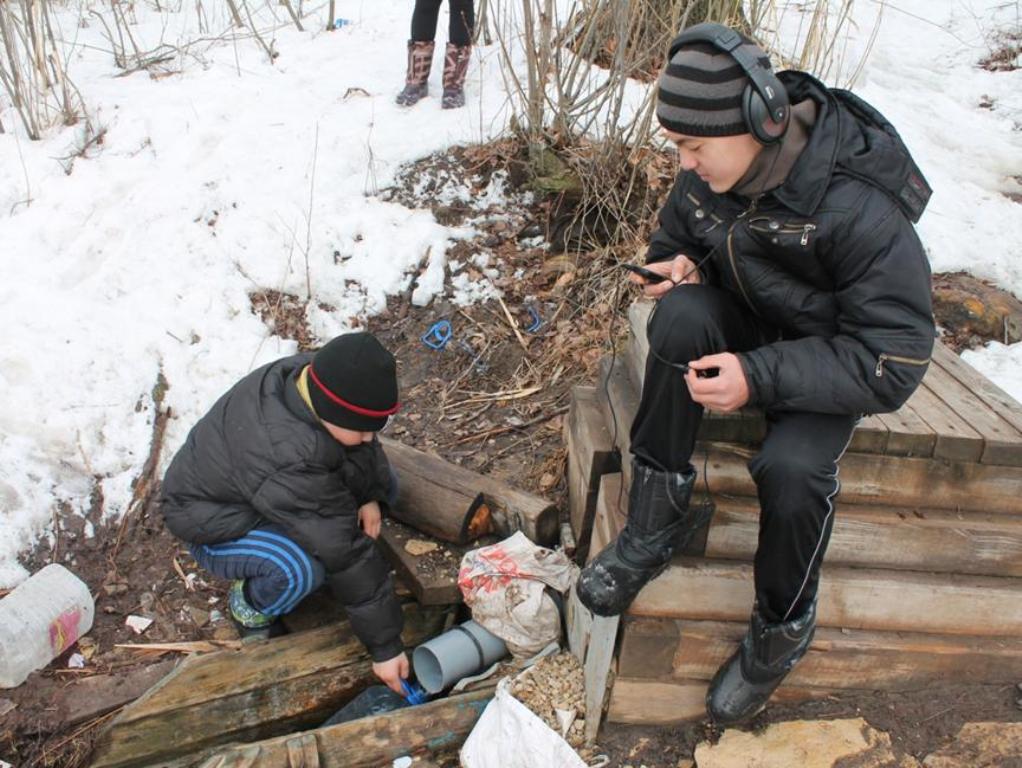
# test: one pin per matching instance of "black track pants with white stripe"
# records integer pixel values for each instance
(796, 468)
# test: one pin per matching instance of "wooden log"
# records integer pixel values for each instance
(433, 578)
(654, 702)
(442, 499)
(591, 454)
(365, 743)
(837, 659)
(897, 601)
(262, 690)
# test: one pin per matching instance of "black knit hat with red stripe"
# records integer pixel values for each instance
(353, 383)
(700, 90)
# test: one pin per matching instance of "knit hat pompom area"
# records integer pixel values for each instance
(700, 90)
(353, 383)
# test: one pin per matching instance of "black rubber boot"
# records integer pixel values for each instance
(659, 521)
(743, 685)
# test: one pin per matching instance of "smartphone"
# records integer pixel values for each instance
(649, 275)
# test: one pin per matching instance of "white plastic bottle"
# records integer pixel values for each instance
(40, 619)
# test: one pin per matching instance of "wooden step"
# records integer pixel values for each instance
(852, 598)
(655, 702)
(591, 455)
(956, 414)
(837, 659)
(865, 478)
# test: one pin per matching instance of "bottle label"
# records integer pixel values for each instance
(64, 630)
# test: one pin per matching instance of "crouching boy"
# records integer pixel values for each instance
(278, 488)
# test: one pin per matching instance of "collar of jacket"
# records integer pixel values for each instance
(293, 397)
(809, 178)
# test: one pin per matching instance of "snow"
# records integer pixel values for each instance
(227, 175)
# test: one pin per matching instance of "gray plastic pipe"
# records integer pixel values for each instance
(462, 651)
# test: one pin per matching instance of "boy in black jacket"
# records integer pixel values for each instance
(279, 488)
(795, 282)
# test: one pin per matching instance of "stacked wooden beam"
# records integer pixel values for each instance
(923, 577)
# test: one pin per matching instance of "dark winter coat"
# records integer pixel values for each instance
(830, 259)
(261, 456)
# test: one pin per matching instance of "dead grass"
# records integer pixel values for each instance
(1005, 57)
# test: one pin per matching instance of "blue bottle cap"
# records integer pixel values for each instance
(414, 693)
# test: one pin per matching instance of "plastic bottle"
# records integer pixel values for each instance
(43, 617)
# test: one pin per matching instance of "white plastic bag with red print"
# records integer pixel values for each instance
(505, 586)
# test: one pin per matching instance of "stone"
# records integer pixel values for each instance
(418, 547)
(981, 745)
(199, 616)
(806, 744)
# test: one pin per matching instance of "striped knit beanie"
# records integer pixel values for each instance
(353, 383)
(700, 90)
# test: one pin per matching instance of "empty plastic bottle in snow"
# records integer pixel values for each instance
(43, 617)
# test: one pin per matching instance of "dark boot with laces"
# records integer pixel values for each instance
(659, 521)
(456, 59)
(743, 685)
(420, 60)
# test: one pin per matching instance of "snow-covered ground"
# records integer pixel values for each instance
(235, 175)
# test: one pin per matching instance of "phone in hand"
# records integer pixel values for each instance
(648, 274)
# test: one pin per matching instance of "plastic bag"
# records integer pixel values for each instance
(505, 586)
(509, 735)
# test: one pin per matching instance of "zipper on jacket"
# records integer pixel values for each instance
(790, 229)
(732, 259)
(884, 357)
(806, 229)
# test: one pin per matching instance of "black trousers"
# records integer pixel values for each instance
(426, 13)
(795, 470)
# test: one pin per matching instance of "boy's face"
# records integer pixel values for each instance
(720, 161)
(348, 437)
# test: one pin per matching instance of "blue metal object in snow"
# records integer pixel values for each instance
(438, 335)
(537, 321)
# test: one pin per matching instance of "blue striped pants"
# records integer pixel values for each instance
(278, 573)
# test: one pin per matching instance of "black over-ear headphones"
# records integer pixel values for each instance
(765, 107)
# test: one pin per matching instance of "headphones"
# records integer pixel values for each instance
(765, 107)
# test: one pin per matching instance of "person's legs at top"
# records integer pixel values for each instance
(270, 576)
(689, 322)
(420, 51)
(796, 474)
(458, 52)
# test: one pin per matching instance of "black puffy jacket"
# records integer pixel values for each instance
(261, 456)
(830, 259)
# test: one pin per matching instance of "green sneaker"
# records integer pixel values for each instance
(251, 624)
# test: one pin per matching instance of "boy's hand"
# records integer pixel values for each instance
(726, 391)
(392, 672)
(370, 518)
(680, 271)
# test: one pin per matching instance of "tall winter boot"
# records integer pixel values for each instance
(456, 59)
(745, 682)
(420, 60)
(659, 520)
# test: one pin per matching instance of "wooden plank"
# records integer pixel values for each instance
(837, 658)
(956, 439)
(902, 482)
(427, 478)
(580, 624)
(365, 743)
(887, 537)
(908, 434)
(599, 655)
(896, 601)
(870, 436)
(619, 401)
(652, 702)
(1002, 443)
(865, 478)
(591, 454)
(260, 691)
(1000, 401)
(433, 577)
